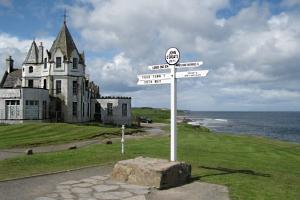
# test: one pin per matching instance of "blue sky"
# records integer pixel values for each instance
(249, 46)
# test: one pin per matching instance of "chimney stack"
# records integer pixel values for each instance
(9, 64)
(41, 53)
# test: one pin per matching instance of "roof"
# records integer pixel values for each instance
(64, 42)
(12, 80)
(32, 55)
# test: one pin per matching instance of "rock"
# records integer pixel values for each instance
(109, 142)
(72, 147)
(29, 151)
(152, 172)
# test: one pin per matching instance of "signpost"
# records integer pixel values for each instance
(172, 58)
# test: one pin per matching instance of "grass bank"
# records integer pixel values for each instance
(37, 134)
(156, 114)
(251, 167)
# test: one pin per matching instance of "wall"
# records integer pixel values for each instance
(35, 94)
(117, 117)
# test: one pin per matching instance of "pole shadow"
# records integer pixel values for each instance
(227, 171)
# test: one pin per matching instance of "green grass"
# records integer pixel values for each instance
(25, 135)
(156, 114)
(251, 167)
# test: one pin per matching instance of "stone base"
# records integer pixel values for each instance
(152, 172)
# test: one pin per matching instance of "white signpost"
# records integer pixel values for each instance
(172, 58)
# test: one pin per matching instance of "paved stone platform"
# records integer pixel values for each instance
(102, 187)
(96, 187)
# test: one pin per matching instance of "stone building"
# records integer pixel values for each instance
(52, 85)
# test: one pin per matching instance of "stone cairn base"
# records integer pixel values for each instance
(158, 173)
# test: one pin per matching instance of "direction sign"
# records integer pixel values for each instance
(189, 64)
(192, 74)
(158, 67)
(158, 76)
(178, 65)
(154, 82)
(172, 56)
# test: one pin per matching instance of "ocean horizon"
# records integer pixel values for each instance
(280, 125)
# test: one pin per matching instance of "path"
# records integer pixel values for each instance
(153, 129)
(30, 188)
(94, 183)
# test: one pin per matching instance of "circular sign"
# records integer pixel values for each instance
(172, 56)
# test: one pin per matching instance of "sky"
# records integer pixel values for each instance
(250, 47)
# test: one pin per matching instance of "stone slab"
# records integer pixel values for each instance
(158, 173)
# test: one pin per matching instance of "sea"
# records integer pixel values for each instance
(277, 125)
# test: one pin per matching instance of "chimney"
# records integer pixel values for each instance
(9, 64)
(41, 53)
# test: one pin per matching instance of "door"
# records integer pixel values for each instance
(12, 109)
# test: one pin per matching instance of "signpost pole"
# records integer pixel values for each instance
(173, 114)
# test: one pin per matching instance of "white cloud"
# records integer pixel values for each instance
(253, 49)
(118, 74)
(231, 74)
(17, 48)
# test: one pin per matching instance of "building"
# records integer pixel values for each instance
(53, 86)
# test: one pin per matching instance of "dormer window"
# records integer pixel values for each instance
(58, 62)
(75, 63)
(30, 69)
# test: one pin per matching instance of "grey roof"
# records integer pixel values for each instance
(12, 80)
(64, 42)
(32, 55)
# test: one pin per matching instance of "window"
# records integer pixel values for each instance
(88, 110)
(58, 62)
(45, 84)
(75, 87)
(58, 86)
(30, 83)
(31, 103)
(45, 63)
(44, 109)
(75, 63)
(30, 69)
(74, 108)
(82, 109)
(109, 109)
(12, 102)
(124, 110)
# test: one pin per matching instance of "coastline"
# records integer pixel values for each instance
(225, 126)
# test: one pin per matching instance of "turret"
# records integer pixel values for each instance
(9, 64)
(41, 53)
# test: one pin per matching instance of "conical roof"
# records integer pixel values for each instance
(64, 42)
(32, 55)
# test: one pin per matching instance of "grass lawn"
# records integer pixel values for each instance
(157, 115)
(36, 134)
(251, 167)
